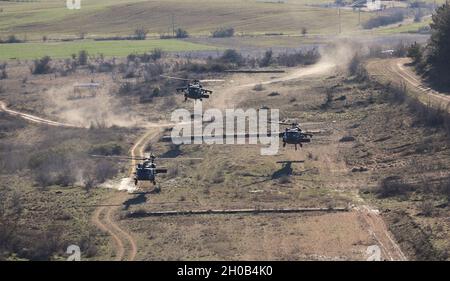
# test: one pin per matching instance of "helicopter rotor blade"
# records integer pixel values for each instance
(179, 158)
(175, 78)
(211, 80)
(118, 157)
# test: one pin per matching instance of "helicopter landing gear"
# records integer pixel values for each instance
(135, 182)
(154, 182)
(295, 146)
(284, 144)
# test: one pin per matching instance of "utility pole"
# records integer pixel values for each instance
(340, 25)
(173, 25)
(359, 16)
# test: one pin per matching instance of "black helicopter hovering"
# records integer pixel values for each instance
(293, 135)
(147, 170)
(194, 89)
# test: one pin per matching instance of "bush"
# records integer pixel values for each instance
(42, 66)
(393, 186)
(384, 20)
(223, 32)
(11, 39)
(258, 87)
(427, 208)
(231, 56)
(267, 59)
(106, 149)
(3, 74)
(299, 58)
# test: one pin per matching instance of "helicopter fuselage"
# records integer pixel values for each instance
(147, 171)
(194, 91)
(294, 136)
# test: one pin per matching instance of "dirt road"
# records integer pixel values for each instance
(34, 119)
(396, 71)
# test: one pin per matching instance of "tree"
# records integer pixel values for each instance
(82, 57)
(438, 49)
(42, 66)
(415, 53)
(181, 33)
(140, 33)
(267, 59)
(304, 31)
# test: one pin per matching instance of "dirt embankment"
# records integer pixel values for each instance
(397, 71)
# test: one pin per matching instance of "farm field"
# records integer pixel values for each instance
(116, 48)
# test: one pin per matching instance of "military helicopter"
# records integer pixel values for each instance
(194, 89)
(293, 135)
(147, 170)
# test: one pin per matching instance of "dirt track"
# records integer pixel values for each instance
(396, 70)
(33, 118)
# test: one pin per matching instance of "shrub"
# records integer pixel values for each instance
(156, 54)
(106, 149)
(415, 53)
(393, 186)
(267, 59)
(384, 20)
(304, 31)
(231, 56)
(11, 39)
(42, 66)
(258, 87)
(223, 32)
(427, 208)
(299, 58)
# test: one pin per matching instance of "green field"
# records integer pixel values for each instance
(107, 48)
(199, 17)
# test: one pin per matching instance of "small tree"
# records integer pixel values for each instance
(181, 33)
(140, 33)
(415, 53)
(267, 59)
(304, 31)
(83, 57)
(438, 49)
(42, 66)
(156, 54)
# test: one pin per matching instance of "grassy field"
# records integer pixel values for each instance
(107, 17)
(96, 17)
(107, 48)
